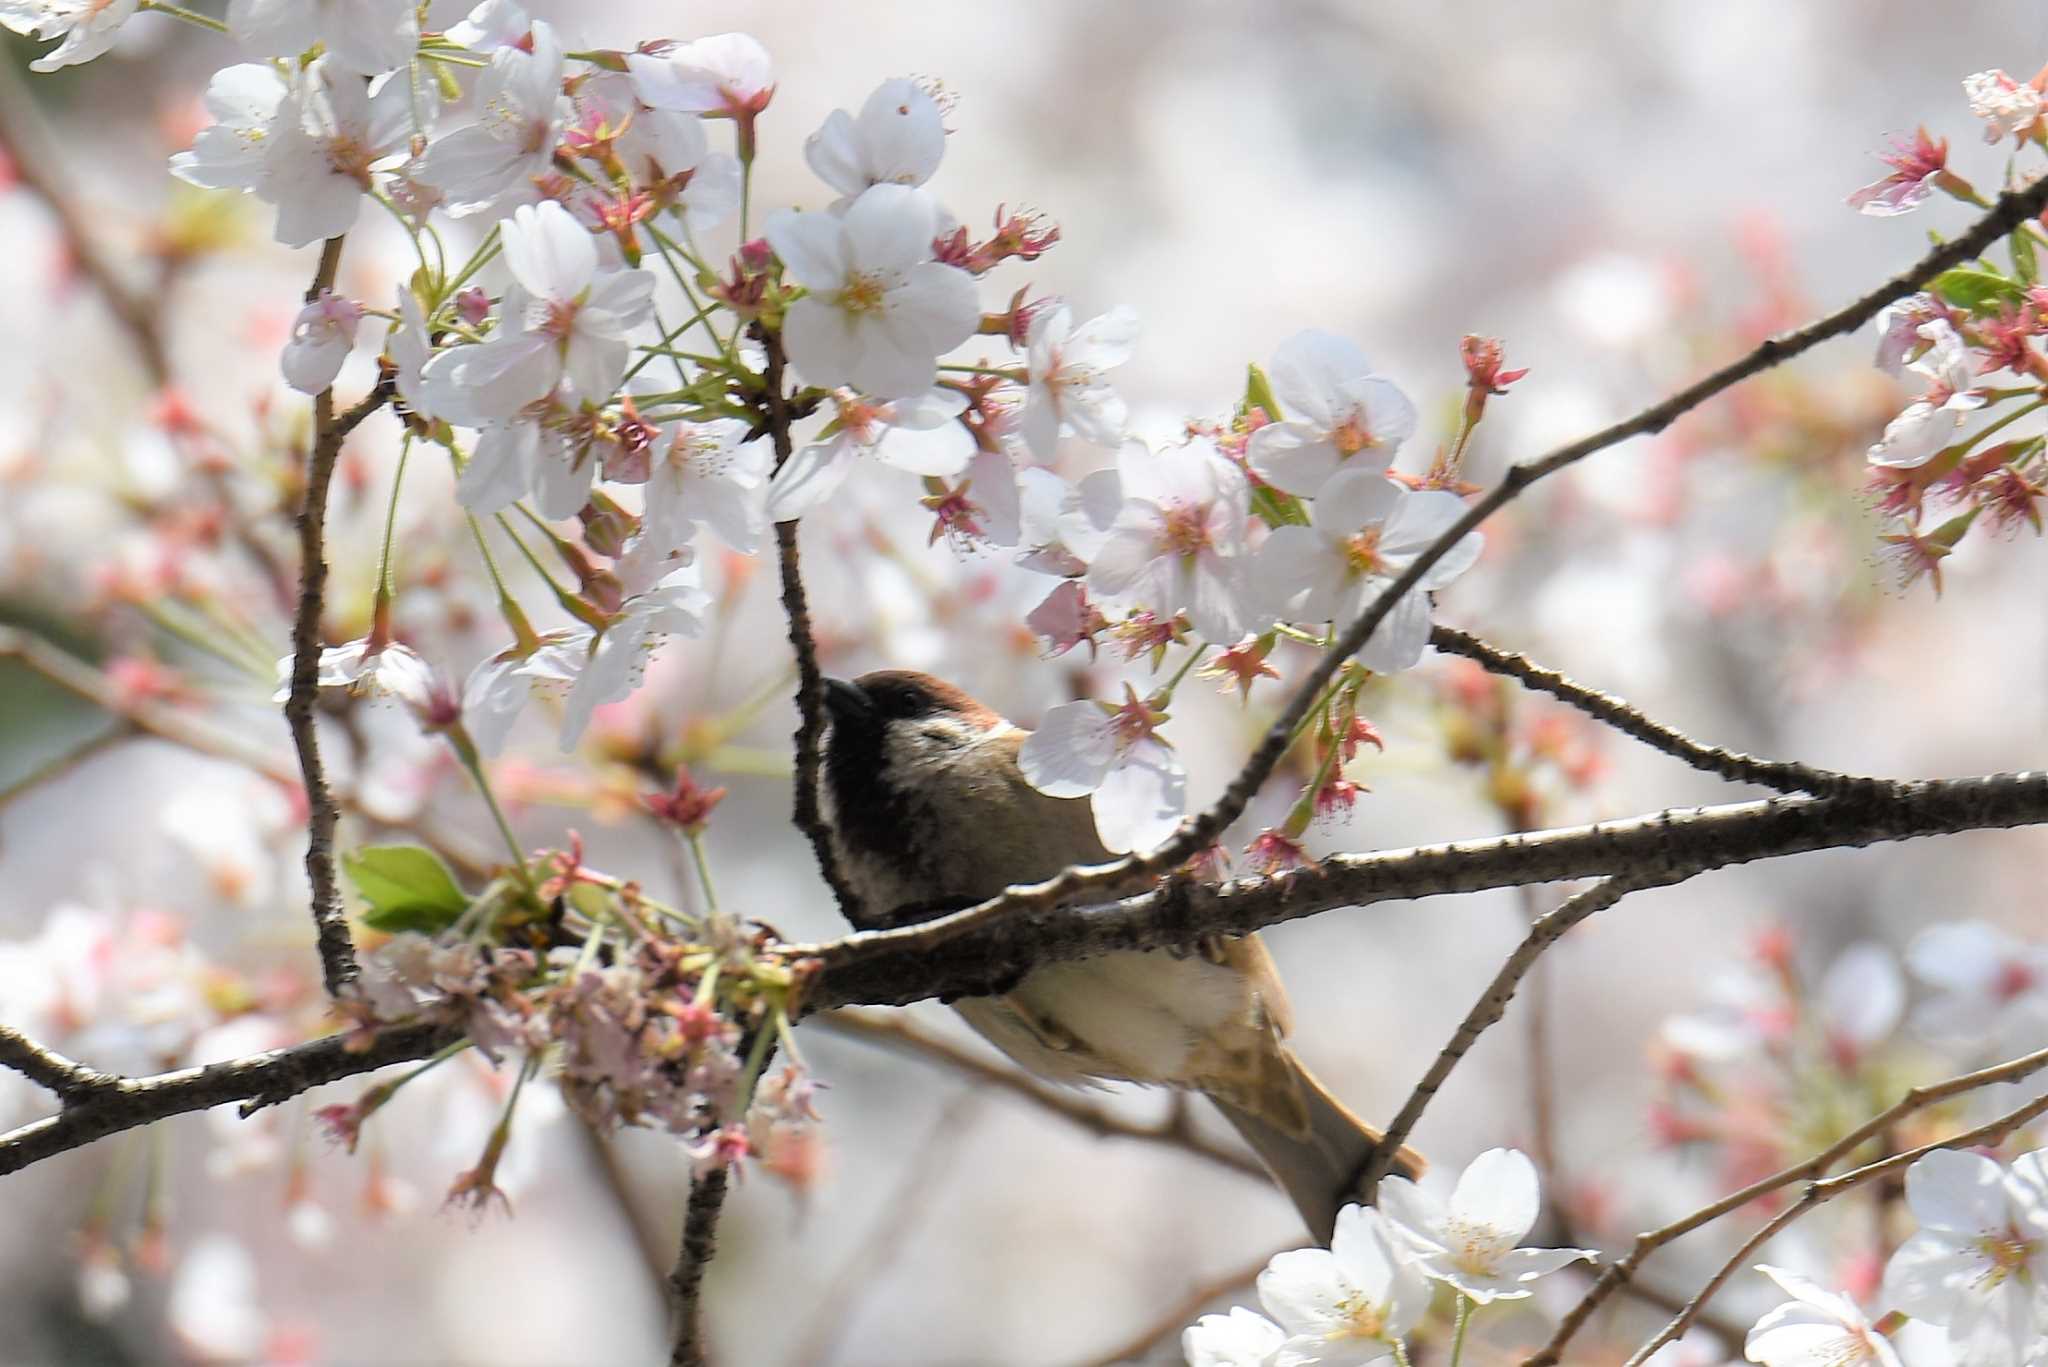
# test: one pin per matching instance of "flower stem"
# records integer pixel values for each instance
(508, 606)
(206, 21)
(391, 520)
(696, 842)
(1458, 1335)
(472, 764)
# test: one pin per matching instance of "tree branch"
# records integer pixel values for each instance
(700, 1245)
(1196, 835)
(1622, 1273)
(47, 1068)
(116, 1104)
(1630, 721)
(966, 953)
(330, 923)
(1544, 932)
(1819, 1193)
(891, 1033)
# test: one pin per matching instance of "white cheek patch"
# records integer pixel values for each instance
(923, 751)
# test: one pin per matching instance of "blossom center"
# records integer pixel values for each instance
(2005, 1254)
(2014, 979)
(1476, 1248)
(1361, 1320)
(1352, 435)
(1362, 552)
(349, 157)
(1184, 530)
(561, 320)
(862, 294)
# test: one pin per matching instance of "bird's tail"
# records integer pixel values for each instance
(1318, 1169)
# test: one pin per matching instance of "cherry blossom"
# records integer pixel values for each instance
(897, 139)
(490, 26)
(1113, 753)
(563, 319)
(1337, 411)
(1066, 389)
(493, 163)
(879, 311)
(368, 37)
(1929, 424)
(499, 688)
(708, 474)
(918, 433)
(1979, 1263)
(1178, 542)
(1816, 1328)
(1242, 1338)
(328, 136)
(1918, 165)
(322, 336)
(1898, 331)
(1364, 531)
(727, 73)
(1991, 988)
(229, 154)
(674, 606)
(1062, 525)
(2008, 107)
(1471, 1244)
(366, 666)
(86, 26)
(1348, 1305)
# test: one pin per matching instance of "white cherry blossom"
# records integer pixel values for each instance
(880, 311)
(563, 319)
(490, 26)
(493, 162)
(1062, 525)
(2008, 107)
(365, 667)
(1110, 752)
(1979, 1263)
(368, 37)
(322, 336)
(1930, 423)
(897, 139)
(230, 153)
(86, 26)
(1990, 987)
(328, 136)
(1067, 390)
(1816, 1328)
(707, 474)
(1338, 415)
(499, 688)
(673, 607)
(1347, 1305)
(1178, 542)
(918, 433)
(1471, 1244)
(1242, 1338)
(725, 73)
(1364, 531)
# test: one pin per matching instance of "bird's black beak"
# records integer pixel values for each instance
(847, 701)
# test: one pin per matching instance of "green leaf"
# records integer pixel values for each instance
(2024, 264)
(408, 888)
(1976, 289)
(1258, 393)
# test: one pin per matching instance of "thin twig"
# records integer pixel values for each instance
(913, 1198)
(256, 1080)
(1819, 1193)
(686, 1282)
(1491, 1006)
(1197, 834)
(24, 142)
(1177, 1317)
(66, 1077)
(875, 1027)
(810, 686)
(895, 967)
(330, 922)
(1630, 721)
(1622, 1272)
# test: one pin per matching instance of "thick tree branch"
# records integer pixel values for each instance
(1621, 1274)
(1544, 932)
(1196, 835)
(259, 1080)
(966, 953)
(1631, 722)
(686, 1283)
(330, 922)
(890, 1032)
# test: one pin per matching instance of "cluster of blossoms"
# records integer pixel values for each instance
(1356, 1302)
(1936, 472)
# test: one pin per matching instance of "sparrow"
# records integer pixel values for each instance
(929, 812)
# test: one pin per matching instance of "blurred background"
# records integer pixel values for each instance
(1626, 194)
